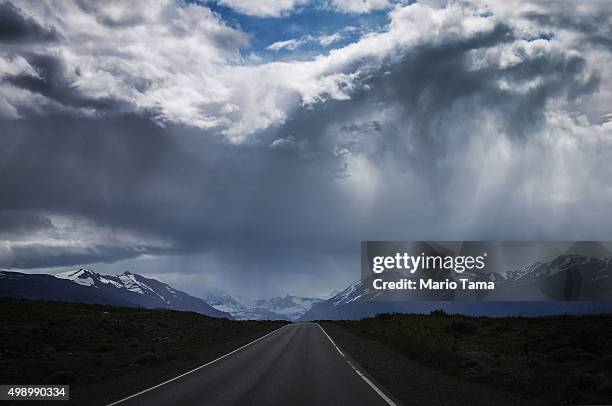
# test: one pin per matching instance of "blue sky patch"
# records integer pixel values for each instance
(308, 24)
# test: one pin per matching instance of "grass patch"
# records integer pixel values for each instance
(560, 360)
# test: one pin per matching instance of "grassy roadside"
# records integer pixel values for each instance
(105, 352)
(457, 360)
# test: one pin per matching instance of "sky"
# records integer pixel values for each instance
(250, 146)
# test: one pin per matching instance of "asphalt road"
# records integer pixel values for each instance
(295, 365)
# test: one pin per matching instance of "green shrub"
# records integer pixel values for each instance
(438, 313)
(586, 381)
(605, 389)
(62, 378)
(463, 327)
(567, 354)
(473, 366)
(103, 348)
(148, 358)
(605, 362)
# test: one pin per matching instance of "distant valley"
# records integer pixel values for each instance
(276, 308)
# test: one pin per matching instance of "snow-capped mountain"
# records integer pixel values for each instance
(291, 307)
(518, 273)
(240, 310)
(86, 286)
(47, 287)
(567, 277)
(567, 284)
(141, 291)
(562, 264)
(357, 301)
(222, 301)
(277, 308)
(353, 292)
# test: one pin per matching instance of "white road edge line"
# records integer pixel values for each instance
(193, 370)
(365, 378)
(330, 339)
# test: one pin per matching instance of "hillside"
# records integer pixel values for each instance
(87, 286)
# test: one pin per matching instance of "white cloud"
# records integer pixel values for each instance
(263, 8)
(359, 6)
(290, 44)
(327, 40)
(323, 40)
(162, 60)
(290, 143)
(183, 64)
(269, 92)
(15, 65)
(76, 237)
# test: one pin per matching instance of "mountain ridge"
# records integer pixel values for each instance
(570, 283)
(87, 286)
(286, 307)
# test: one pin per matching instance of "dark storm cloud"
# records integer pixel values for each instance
(442, 100)
(595, 26)
(78, 164)
(53, 81)
(433, 81)
(17, 222)
(16, 27)
(293, 195)
(44, 256)
(129, 173)
(364, 127)
(426, 83)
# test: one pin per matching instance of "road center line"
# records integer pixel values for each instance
(195, 369)
(361, 374)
